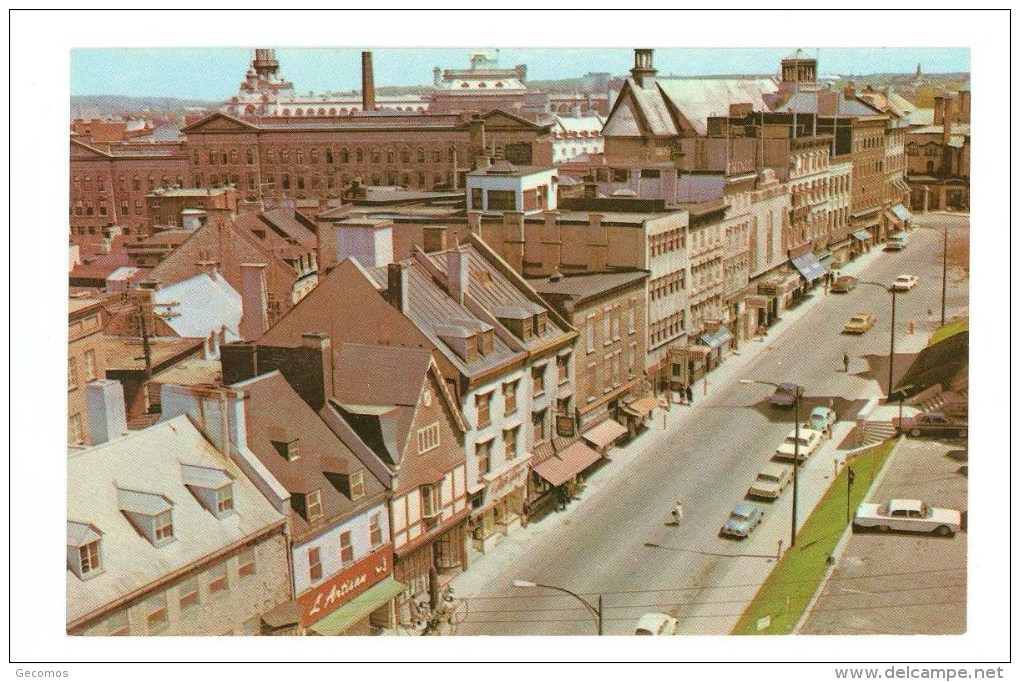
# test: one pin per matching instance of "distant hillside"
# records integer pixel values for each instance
(103, 105)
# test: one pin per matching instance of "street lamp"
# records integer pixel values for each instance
(595, 611)
(798, 393)
(892, 331)
(945, 259)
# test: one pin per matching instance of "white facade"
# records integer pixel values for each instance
(538, 184)
(328, 543)
(576, 135)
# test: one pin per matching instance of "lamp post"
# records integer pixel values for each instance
(892, 332)
(798, 392)
(595, 611)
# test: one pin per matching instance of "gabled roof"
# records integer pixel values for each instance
(808, 102)
(147, 465)
(204, 305)
(216, 122)
(379, 375)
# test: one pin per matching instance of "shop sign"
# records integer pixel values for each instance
(323, 600)
(504, 482)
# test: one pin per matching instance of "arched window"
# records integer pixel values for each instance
(421, 155)
(405, 155)
(313, 156)
(286, 111)
(375, 156)
(437, 155)
(359, 155)
(329, 156)
(284, 156)
(452, 154)
(299, 156)
(390, 155)
(233, 156)
(322, 112)
(250, 157)
(345, 156)
(299, 112)
(332, 111)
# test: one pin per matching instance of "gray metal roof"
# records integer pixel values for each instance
(204, 477)
(139, 502)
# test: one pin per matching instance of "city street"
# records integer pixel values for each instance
(707, 455)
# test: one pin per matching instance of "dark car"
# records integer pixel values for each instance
(933, 424)
(785, 395)
(843, 284)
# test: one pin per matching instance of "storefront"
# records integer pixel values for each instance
(810, 268)
(638, 412)
(359, 600)
(605, 435)
(862, 241)
(718, 344)
(902, 216)
(779, 289)
(559, 478)
(502, 508)
(421, 562)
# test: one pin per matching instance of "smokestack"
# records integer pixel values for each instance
(104, 399)
(254, 301)
(396, 286)
(367, 83)
(457, 272)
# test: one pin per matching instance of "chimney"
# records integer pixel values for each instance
(104, 399)
(457, 272)
(316, 384)
(850, 91)
(367, 83)
(643, 69)
(475, 223)
(396, 286)
(940, 109)
(325, 246)
(254, 301)
(595, 222)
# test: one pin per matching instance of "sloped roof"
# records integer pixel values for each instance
(379, 375)
(653, 109)
(204, 304)
(623, 122)
(698, 98)
(149, 461)
(807, 102)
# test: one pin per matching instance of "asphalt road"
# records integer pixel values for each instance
(707, 455)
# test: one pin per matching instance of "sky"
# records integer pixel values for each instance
(214, 73)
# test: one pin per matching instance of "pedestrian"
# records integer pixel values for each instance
(846, 363)
(690, 395)
(677, 513)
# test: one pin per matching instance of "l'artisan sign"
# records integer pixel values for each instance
(319, 602)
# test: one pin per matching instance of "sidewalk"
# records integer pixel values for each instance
(662, 429)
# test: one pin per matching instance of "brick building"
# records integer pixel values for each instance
(938, 156)
(86, 361)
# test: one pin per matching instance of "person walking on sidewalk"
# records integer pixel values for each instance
(690, 395)
(846, 363)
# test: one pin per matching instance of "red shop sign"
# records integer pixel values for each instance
(323, 600)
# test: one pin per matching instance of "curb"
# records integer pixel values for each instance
(837, 551)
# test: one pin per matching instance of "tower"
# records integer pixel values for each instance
(799, 68)
(643, 68)
(265, 63)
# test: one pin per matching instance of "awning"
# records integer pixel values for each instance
(824, 257)
(569, 462)
(809, 267)
(642, 406)
(902, 184)
(901, 212)
(861, 235)
(365, 603)
(717, 339)
(605, 433)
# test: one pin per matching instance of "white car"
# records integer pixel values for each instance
(809, 442)
(904, 283)
(771, 481)
(655, 624)
(907, 515)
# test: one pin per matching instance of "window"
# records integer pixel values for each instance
(88, 556)
(270, 157)
(313, 155)
(250, 157)
(246, 561)
(476, 198)
(620, 175)
(233, 156)
(163, 527)
(502, 200)
(563, 368)
(430, 500)
(225, 499)
(187, 593)
(649, 173)
(314, 564)
(510, 443)
(357, 485)
(284, 156)
(538, 380)
(538, 425)
(346, 549)
(483, 404)
(156, 618)
(428, 438)
(375, 530)
(483, 454)
(589, 334)
(72, 373)
(313, 505)
(510, 397)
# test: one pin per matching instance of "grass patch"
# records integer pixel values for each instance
(950, 329)
(787, 591)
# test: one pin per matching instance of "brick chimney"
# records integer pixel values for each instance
(457, 272)
(643, 71)
(254, 301)
(367, 83)
(396, 286)
(850, 91)
(104, 399)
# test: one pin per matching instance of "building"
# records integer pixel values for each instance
(482, 86)
(86, 361)
(575, 136)
(505, 187)
(180, 208)
(938, 156)
(609, 311)
(338, 530)
(167, 536)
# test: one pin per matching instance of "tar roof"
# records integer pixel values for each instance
(149, 463)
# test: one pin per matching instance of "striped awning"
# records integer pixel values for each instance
(809, 267)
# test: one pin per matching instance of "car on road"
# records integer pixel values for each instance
(859, 323)
(931, 424)
(655, 624)
(771, 481)
(744, 518)
(809, 442)
(913, 516)
(822, 419)
(785, 395)
(904, 283)
(844, 284)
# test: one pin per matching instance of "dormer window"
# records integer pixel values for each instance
(151, 514)
(541, 323)
(214, 488)
(357, 484)
(286, 443)
(313, 505)
(84, 556)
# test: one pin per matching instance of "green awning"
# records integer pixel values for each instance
(365, 603)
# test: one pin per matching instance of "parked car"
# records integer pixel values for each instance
(809, 442)
(897, 242)
(859, 323)
(785, 395)
(822, 419)
(907, 515)
(744, 518)
(904, 283)
(771, 481)
(655, 624)
(932, 424)
(843, 284)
